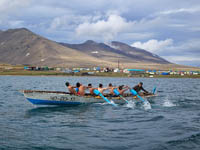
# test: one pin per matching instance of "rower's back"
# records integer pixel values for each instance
(70, 88)
(101, 89)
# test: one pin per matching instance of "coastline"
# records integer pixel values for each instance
(53, 73)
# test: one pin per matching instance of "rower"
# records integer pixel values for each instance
(91, 89)
(71, 88)
(82, 89)
(77, 88)
(101, 89)
(122, 89)
(111, 88)
(139, 87)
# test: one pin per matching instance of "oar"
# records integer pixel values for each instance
(154, 90)
(118, 94)
(136, 94)
(99, 93)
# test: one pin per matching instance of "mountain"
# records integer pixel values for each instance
(21, 46)
(117, 50)
(137, 53)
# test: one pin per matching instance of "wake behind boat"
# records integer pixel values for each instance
(64, 98)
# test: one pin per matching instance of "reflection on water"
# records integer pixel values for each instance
(74, 110)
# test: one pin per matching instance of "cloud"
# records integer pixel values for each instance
(9, 6)
(170, 30)
(187, 52)
(16, 23)
(106, 28)
(12, 23)
(185, 60)
(65, 21)
(154, 45)
(168, 47)
(181, 10)
(60, 22)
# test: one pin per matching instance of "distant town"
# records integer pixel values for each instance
(95, 71)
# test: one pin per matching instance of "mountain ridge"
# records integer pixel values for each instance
(22, 46)
(123, 49)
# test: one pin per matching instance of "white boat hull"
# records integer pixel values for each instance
(64, 98)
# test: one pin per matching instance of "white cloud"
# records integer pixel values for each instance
(187, 52)
(65, 21)
(153, 45)
(59, 22)
(135, 36)
(12, 23)
(16, 23)
(181, 10)
(107, 29)
(187, 48)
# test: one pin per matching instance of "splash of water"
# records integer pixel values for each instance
(147, 105)
(106, 103)
(168, 103)
(112, 102)
(131, 104)
(103, 103)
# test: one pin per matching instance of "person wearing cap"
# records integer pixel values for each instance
(139, 87)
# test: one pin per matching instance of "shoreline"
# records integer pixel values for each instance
(113, 75)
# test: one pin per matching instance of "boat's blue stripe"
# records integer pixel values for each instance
(50, 102)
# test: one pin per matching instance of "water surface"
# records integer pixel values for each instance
(173, 122)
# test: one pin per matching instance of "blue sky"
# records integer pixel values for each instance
(168, 28)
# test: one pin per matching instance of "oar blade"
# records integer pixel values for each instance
(96, 92)
(99, 93)
(133, 92)
(136, 94)
(124, 99)
(141, 98)
(116, 92)
(154, 90)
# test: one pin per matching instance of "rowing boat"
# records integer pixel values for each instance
(65, 98)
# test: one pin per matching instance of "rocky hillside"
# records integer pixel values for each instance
(117, 50)
(21, 46)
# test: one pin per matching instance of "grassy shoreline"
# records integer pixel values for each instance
(111, 74)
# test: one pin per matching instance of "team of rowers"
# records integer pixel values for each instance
(80, 89)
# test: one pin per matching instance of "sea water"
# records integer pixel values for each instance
(172, 121)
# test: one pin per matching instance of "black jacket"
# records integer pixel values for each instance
(138, 89)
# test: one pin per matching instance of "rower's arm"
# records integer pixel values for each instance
(144, 90)
(105, 88)
(135, 87)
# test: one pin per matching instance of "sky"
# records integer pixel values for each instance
(168, 28)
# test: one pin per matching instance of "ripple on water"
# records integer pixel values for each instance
(100, 126)
(190, 142)
(156, 118)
